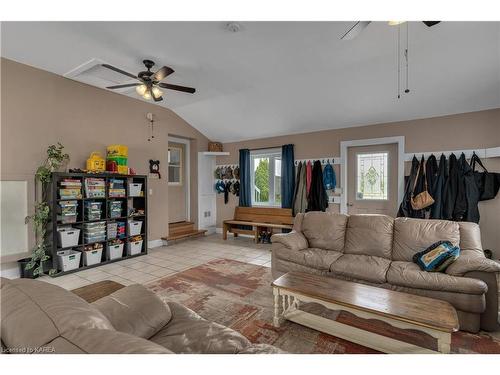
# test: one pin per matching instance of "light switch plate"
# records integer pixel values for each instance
(150, 191)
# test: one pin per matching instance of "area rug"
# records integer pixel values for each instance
(239, 295)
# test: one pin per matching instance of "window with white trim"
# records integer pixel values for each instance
(175, 165)
(265, 177)
(372, 176)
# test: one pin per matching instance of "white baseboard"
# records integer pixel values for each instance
(156, 243)
(10, 271)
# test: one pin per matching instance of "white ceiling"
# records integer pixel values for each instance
(274, 78)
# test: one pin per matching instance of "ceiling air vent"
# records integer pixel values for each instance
(94, 74)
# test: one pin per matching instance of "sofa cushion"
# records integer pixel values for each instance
(470, 237)
(325, 230)
(410, 275)
(363, 267)
(187, 332)
(369, 235)
(315, 258)
(412, 236)
(35, 313)
(437, 257)
(135, 310)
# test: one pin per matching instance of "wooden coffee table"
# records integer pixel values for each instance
(407, 311)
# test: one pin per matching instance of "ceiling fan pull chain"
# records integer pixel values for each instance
(406, 57)
(399, 61)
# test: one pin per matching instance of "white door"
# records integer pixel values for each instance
(372, 173)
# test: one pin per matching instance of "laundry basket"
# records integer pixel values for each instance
(68, 260)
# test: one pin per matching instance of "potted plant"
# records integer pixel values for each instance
(37, 264)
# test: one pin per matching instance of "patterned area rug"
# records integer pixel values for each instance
(238, 295)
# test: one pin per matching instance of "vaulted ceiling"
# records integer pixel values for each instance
(274, 78)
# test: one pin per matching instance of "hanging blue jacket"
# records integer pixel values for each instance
(329, 178)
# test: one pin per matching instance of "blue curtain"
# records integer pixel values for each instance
(245, 191)
(287, 176)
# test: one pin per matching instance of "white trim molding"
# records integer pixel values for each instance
(344, 145)
(156, 243)
(187, 170)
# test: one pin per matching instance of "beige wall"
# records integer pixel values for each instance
(461, 131)
(177, 193)
(40, 108)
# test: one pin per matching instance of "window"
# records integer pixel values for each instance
(266, 177)
(175, 166)
(372, 176)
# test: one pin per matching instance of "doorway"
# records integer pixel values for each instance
(178, 180)
(372, 175)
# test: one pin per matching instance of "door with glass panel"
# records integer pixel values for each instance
(372, 173)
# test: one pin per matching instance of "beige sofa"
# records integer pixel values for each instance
(37, 317)
(378, 250)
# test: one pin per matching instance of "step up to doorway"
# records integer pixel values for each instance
(182, 230)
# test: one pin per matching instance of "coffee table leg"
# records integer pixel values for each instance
(444, 343)
(277, 318)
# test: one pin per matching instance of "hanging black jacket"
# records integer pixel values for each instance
(436, 190)
(317, 199)
(431, 172)
(451, 188)
(472, 193)
(460, 208)
(405, 209)
(419, 187)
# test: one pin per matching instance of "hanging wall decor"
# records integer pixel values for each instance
(154, 167)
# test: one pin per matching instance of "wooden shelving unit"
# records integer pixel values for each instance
(137, 202)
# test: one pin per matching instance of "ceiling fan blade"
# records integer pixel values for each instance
(355, 30)
(119, 70)
(177, 88)
(431, 23)
(162, 73)
(122, 86)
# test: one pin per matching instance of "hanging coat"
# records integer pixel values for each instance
(329, 178)
(419, 188)
(308, 176)
(405, 209)
(460, 208)
(472, 194)
(296, 189)
(431, 173)
(300, 204)
(437, 189)
(451, 188)
(317, 199)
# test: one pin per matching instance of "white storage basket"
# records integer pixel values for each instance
(134, 189)
(68, 260)
(114, 251)
(68, 237)
(91, 257)
(134, 248)
(134, 227)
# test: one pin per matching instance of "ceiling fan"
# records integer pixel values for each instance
(149, 82)
(359, 26)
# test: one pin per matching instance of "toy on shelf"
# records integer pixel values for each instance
(96, 163)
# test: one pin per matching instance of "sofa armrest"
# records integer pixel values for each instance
(293, 240)
(472, 262)
(135, 310)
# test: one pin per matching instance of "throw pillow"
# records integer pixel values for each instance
(437, 257)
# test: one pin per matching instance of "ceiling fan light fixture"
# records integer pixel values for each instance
(141, 89)
(157, 92)
(395, 23)
(147, 95)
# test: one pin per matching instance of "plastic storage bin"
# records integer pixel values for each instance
(135, 189)
(94, 232)
(117, 150)
(67, 212)
(93, 210)
(112, 230)
(114, 251)
(134, 248)
(134, 227)
(93, 256)
(68, 237)
(68, 260)
(115, 209)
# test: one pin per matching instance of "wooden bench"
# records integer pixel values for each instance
(258, 218)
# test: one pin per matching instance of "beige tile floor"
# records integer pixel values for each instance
(168, 260)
